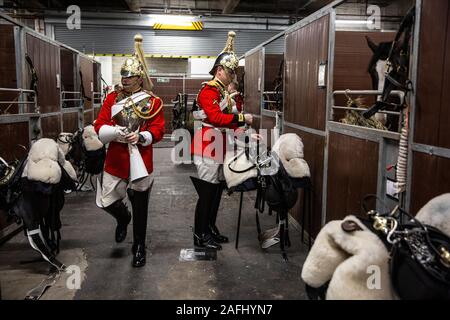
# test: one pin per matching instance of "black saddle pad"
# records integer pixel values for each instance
(252, 184)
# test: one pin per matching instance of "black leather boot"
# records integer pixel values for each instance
(213, 216)
(38, 243)
(202, 234)
(139, 202)
(120, 212)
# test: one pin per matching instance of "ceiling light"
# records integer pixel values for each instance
(175, 22)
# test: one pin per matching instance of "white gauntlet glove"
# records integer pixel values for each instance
(107, 133)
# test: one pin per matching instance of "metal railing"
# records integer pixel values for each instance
(21, 101)
(269, 99)
(396, 93)
(71, 96)
(97, 99)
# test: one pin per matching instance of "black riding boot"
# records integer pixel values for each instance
(203, 237)
(213, 216)
(120, 212)
(38, 243)
(139, 202)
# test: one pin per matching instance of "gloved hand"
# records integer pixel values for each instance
(107, 133)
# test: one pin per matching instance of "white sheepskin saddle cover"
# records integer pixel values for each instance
(234, 179)
(43, 162)
(289, 148)
(436, 213)
(346, 259)
(63, 141)
(90, 139)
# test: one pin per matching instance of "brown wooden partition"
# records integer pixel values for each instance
(11, 136)
(352, 174)
(431, 156)
(51, 126)
(70, 122)
(8, 77)
(314, 156)
(305, 103)
(88, 117)
(46, 59)
(253, 83)
(87, 74)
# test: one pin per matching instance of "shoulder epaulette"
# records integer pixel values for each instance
(151, 94)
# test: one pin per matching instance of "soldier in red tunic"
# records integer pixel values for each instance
(215, 112)
(134, 103)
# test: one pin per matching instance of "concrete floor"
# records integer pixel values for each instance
(88, 239)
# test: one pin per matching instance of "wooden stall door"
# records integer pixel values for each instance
(305, 103)
(46, 60)
(352, 174)
(8, 73)
(70, 122)
(51, 126)
(253, 83)
(87, 74)
(306, 48)
(430, 173)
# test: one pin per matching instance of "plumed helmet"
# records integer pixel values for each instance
(136, 65)
(131, 67)
(227, 58)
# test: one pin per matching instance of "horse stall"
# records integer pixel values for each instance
(168, 86)
(360, 159)
(326, 68)
(71, 96)
(43, 98)
(272, 80)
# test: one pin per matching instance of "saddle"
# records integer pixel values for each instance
(419, 254)
(87, 158)
(251, 169)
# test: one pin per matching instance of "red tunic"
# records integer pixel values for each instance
(208, 100)
(117, 161)
(239, 102)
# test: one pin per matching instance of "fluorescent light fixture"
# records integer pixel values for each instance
(175, 22)
(170, 19)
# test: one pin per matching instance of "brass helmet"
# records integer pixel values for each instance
(131, 68)
(227, 58)
(136, 65)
